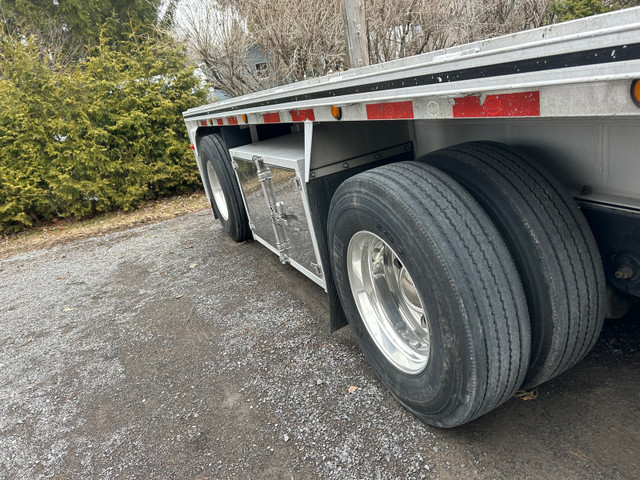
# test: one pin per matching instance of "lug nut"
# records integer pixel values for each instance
(624, 272)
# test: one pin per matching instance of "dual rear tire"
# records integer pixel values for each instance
(551, 244)
(465, 276)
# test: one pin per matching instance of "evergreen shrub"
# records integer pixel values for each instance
(102, 134)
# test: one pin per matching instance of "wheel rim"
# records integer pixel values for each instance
(218, 194)
(388, 302)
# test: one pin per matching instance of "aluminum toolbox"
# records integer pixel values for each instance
(271, 176)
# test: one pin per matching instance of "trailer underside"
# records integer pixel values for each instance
(471, 213)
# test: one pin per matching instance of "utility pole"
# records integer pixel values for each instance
(356, 30)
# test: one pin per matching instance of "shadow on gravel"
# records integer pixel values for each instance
(587, 418)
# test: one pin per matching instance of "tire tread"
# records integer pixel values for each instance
(572, 262)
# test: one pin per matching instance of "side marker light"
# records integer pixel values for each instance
(635, 92)
(336, 112)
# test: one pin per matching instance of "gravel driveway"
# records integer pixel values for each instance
(168, 351)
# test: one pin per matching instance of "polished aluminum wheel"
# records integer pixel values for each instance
(388, 302)
(218, 194)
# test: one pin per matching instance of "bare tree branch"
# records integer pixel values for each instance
(298, 39)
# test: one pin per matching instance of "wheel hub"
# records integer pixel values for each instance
(388, 302)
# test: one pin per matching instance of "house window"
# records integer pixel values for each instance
(261, 69)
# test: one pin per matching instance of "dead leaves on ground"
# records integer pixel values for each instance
(526, 395)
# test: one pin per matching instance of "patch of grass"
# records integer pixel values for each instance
(60, 231)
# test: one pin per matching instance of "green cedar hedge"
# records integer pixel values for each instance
(103, 134)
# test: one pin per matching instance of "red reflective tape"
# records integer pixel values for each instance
(386, 111)
(232, 120)
(203, 123)
(271, 117)
(220, 121)
(526, 104)
(302, 115)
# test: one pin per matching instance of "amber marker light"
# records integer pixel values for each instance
(244, 118)
(635, 92)
(336, 112)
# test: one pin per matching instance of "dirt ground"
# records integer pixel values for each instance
(168, 351)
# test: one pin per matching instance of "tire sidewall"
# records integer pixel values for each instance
(222, 178)
(207, 186)
(213, 152)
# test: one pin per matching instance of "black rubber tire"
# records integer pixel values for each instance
(475, 306)
(551, 243)
(213, 151)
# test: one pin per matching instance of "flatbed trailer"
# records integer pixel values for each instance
(473, 213)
